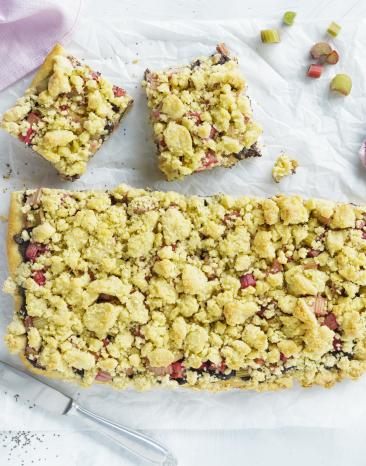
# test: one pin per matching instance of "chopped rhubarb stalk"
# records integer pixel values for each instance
(213, 132)
(313, 253)
(27, 137)
(341, 83)
(334, 29)
(106, 342)
(315, 71)
(221, 367)
(118, 91)
(152, 79)
(35, 198)
(261, 312)
(209, 161)
(95, 75)
(333, 58)
(360, 224)
(160, 371)
(322, 59)
(195, 116)
(96, 355)
(259, 361)
(162, 144)
(247, 280)
(93, 146)
(28, 322)
(39, 278)
(155, 114)
(103, 376)
(33, 118)
(270, 36)
(129, 371)
(177, 370)
(362, 153)
(319, 306)
(30, 351)
(222, 48)
(33, 250)
(283, 357)
(363, 235)
(289, 18)
(231, 216)
(330, 321)
(276, 267)
(63, 107)
(337, 344)
(320, 49)
(204, 366)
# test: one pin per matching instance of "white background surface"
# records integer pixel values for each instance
(281, 446)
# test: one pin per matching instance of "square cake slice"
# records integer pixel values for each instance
(67, 113)
(146, 289)
(201, 116)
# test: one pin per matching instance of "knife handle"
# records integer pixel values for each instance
(135, 442)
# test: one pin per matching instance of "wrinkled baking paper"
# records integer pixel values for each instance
(300, 118)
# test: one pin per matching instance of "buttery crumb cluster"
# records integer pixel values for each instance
(284, 166)
(66, 116)
(201, 116)
(139, 288)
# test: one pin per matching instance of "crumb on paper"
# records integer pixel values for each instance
(135, 61)
(3, 218)
(284, 166)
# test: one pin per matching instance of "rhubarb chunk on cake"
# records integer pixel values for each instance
(147, 289)
(201, 116)
(67, 113)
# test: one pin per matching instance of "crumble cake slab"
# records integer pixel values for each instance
(201, 116)
(67, 113)
(141, 289)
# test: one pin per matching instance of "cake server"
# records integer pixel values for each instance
(55, 402)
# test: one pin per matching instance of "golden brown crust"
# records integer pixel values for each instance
(47, 67)
(15, 226)
(44, 373)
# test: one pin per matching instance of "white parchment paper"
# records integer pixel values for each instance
(299, 116)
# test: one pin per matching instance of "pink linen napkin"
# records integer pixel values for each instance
(28, 31)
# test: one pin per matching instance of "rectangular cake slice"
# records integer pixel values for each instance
(67, 113)
(201, 116)
(142, 289)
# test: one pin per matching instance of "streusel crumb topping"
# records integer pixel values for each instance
(201, 117)
(66, 117)
(139, 288)
(284, 166)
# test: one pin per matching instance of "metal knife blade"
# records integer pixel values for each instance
(56, 402)
(35, 390)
